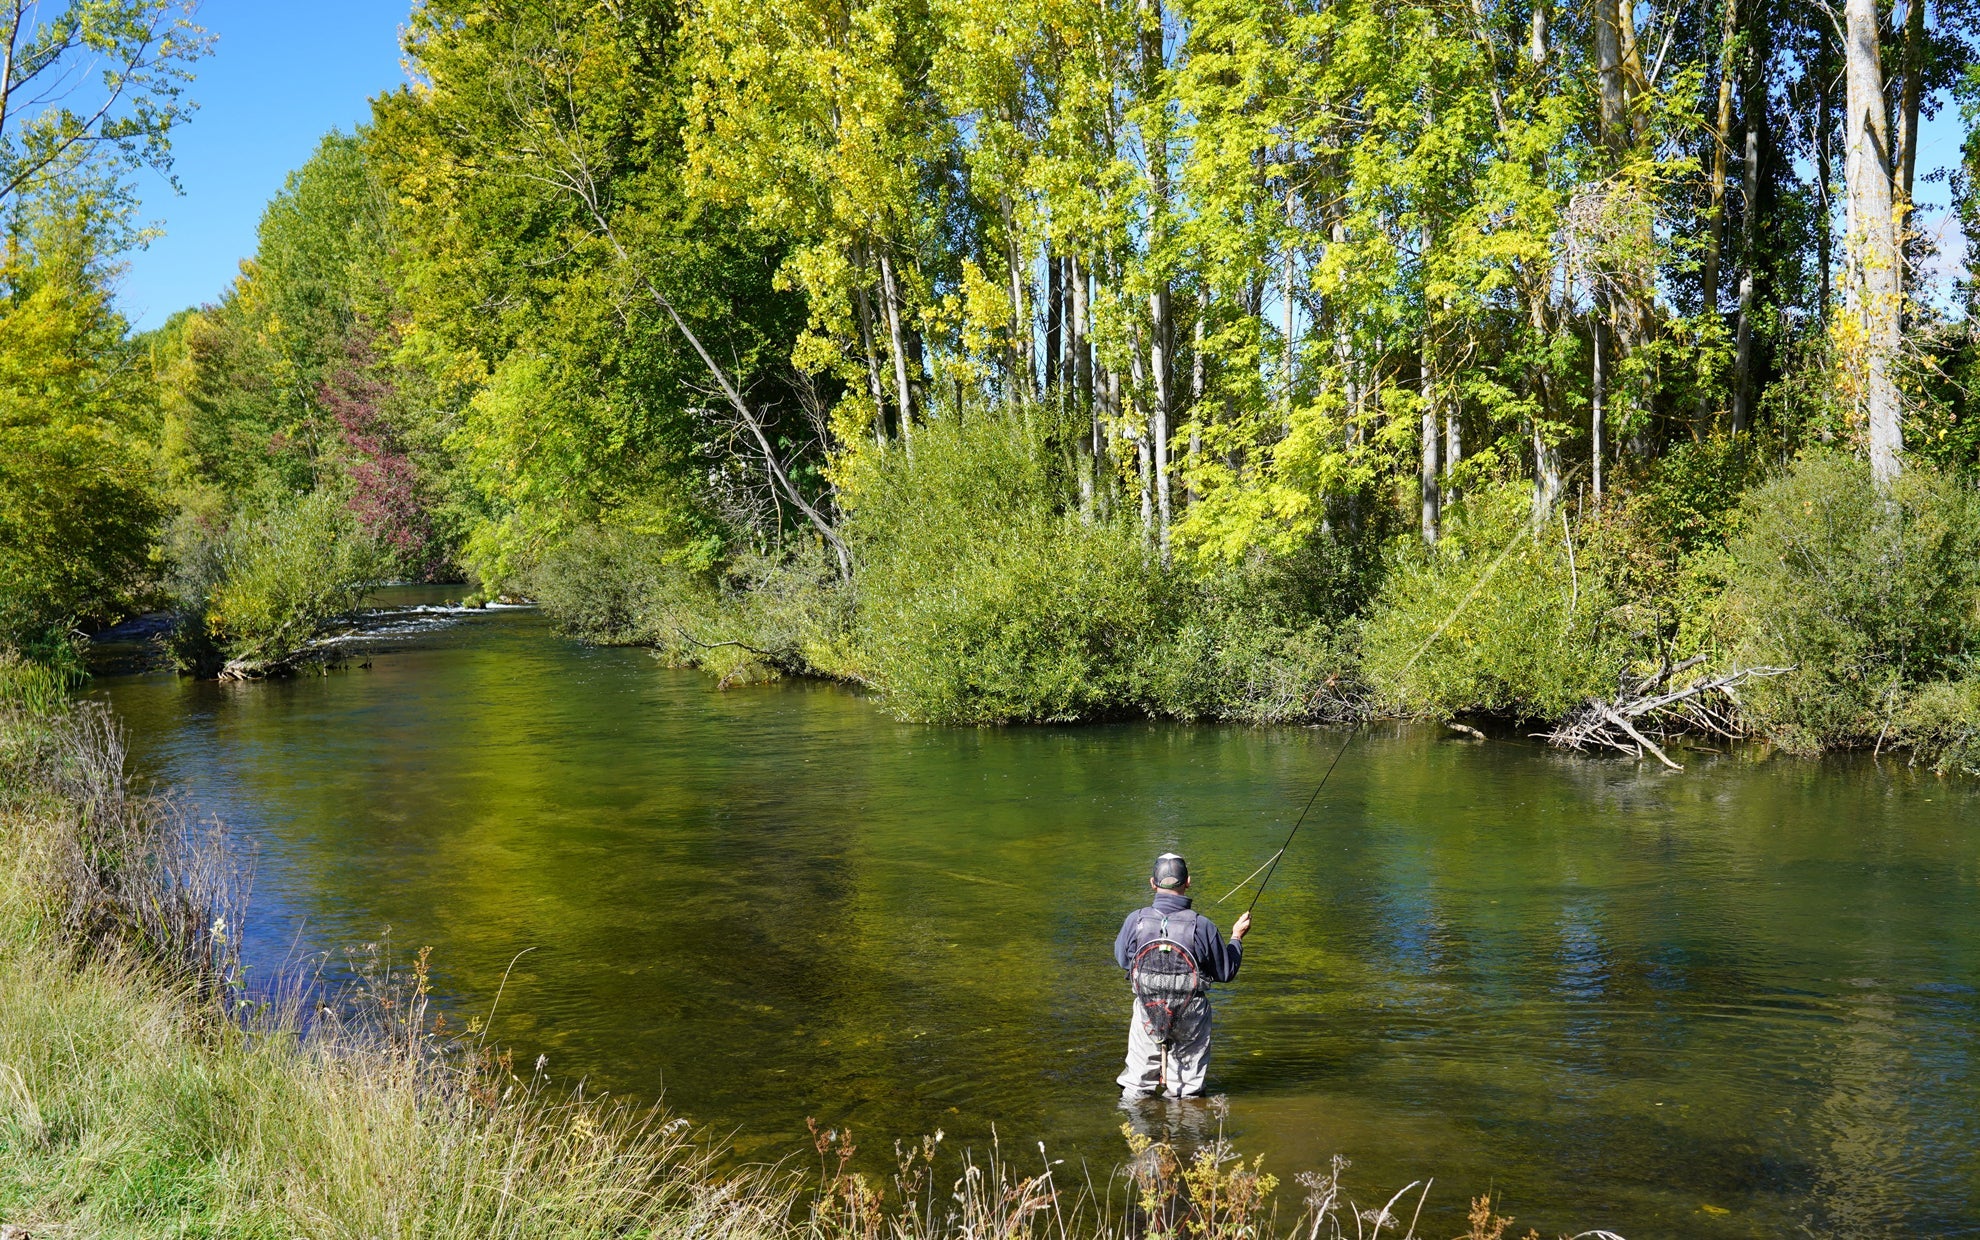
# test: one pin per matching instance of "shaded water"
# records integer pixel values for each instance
(1734, 1001)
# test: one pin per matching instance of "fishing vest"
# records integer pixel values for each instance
(1178, 927)
(1163, 969)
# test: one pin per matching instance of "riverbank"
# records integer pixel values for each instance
(1719, 599)
(143, 1091)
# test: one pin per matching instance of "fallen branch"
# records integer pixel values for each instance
(1707, 705)
(773, 659)
(1638, 737)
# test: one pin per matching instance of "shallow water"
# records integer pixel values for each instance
(1737, 1000)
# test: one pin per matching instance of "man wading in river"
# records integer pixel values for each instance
(1172, 954)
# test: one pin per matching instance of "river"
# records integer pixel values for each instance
(1737, 1000)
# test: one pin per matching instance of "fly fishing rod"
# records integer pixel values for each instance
(1271, 865)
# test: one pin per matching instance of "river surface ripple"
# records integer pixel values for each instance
(1733, 1001)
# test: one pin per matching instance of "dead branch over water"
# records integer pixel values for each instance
(1707, 705)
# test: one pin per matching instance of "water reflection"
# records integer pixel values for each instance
(1731, 1001)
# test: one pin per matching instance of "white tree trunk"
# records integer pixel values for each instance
(1875, 282)
(890, 293)
(1599, 390)
(1159, 417)
(1431, 431)
(1197, 379)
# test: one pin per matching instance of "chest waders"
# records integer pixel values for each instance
(1165, 979)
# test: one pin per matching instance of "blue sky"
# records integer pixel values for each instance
(285, 72)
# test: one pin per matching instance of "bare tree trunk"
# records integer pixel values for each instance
(1197, 381)
(1453, 447)
(1054, 316)
(1082, 331)
(1145, 455)
(1083, 361)
(874, 386)
(1431, 429)
(1159, 416)
(1875, 277)
(1291, 274)
(890, 294)
(14, 22)
(1613, 113)
(1754, 104)
(1715, 237)
(1020, 305)
(1546, 471)
(1912, 96)
(1108, 433)
(1600, 389)
(1825, 175)
(1344, 356)
(1546, 457)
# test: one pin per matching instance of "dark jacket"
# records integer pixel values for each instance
(1217, 960)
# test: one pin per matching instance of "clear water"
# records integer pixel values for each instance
(1738, 1000)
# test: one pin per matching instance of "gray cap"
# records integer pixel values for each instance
(1170, 872)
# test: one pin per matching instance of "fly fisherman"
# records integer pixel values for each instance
(1172, 954)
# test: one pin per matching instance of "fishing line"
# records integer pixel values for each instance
(1247, 878)
(1271, 866)
(1300, 821)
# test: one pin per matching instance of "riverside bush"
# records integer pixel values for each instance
(1269, 639)
(1045, 619)
(754, 617)
(1530, 639)
(1940, 723)
(255, 596)
(610, 586)
(983, 599)
(1867, 596)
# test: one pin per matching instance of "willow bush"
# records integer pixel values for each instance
(1506, 616)
(1868, 596)
(256, 595)
(985, 595)
(982, 599)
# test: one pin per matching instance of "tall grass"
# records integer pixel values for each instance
(142, 1093)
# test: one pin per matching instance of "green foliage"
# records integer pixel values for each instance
(603, 585)
(1505, 617)
(94, 84)
(754, 617)
(982, 599)
(1940, 723)
(1866, 596)
(1042, 620)
(78, 504)
(570, 396)
(31, 687)
(1271, 639)
(255, 597)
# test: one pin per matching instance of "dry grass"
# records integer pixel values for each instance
(142, 1095)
